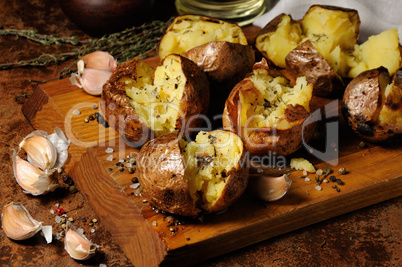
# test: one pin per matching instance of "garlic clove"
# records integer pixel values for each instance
(98, 60)
(92, 80)
(17, 223)
(41, 152)
(33, 180)
(269, 188)
(77, 245)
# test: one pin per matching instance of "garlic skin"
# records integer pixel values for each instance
(268, 188)
(33, 180)
(77, 245)
(17, 223)
(99, 60)
(93, 71)
(41, 151)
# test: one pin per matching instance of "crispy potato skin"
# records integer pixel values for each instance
(267, 139)
(161, 175)
(306, 61)
(224, 63)
(161, 171)
(362, 102)
(117, 110)
(119, 113)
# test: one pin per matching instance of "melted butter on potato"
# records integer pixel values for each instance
(189, 31)
(157, 102)
(209, 161)
(265, 104)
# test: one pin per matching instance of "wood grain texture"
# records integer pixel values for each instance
(375, 175)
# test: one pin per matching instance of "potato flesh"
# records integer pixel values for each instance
(327, 29)
(379, 50)
(265, 106)
(387, 114)
(189, 33)
(281, 42)
(302, 164)
(208, 161)
(157, 102)
(333, 34)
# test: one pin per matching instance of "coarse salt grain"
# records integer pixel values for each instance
(154, 223)
(57, 219)
(76, 112)
(307, 179)
(129, 165)
(109, 150)
(92, 230)
(135, 186)
(318, 188)
(109, 158)
(51, 211)
(121, 160)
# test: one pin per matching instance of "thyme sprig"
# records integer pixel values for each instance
(138, 41)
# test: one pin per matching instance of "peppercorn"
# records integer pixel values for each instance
(332, 178)
(342, 171)
(134, 180)
(340, 182)
(67, 179)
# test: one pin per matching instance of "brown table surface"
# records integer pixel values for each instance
(367, 237)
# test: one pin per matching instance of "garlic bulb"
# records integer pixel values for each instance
(17, 223)
(93, 72)
(269, 188)
(33, 180)
(46, 153)
(41, 151)
(77, 245)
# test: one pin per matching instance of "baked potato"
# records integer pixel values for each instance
(188, 178)
(333, 32)
(218, 47)
(372, 105)
(268, 112)
(142, 103)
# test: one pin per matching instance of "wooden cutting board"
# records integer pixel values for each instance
(150, 238)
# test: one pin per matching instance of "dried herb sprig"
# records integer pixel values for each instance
(137, 41)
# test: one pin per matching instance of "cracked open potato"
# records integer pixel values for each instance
(372, 105)
(268, 112)
(218, 47)
(188, 178)
(333, 32)
(142, 103)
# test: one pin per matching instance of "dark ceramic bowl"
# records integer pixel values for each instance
(98, 17)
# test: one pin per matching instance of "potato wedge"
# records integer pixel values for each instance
(142, 103)
(188, 178)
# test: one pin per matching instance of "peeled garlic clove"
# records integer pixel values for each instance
(17, 223)
(98, 60)
(269, 188)
(77, 245)
(92, 80)
(41, 152)
(33, 180)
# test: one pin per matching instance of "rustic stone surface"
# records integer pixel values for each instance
(367, 237)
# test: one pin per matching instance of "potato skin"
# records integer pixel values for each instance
(224, 63)
(267, 139)
(161, 171)
(161, 175)
(116, 109)
(119, 113)
(306, 61)
(362, 102)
